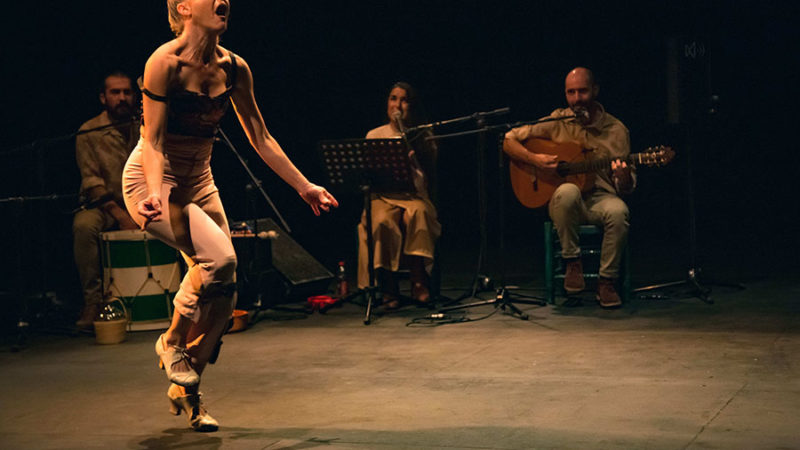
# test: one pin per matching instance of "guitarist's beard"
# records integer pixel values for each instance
(582, 113)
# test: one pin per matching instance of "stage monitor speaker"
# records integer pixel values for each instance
(295, 274)
(690, 89)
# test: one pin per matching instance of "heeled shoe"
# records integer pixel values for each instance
(192, 405)
(169, 356)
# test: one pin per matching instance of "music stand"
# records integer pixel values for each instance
(368, 166)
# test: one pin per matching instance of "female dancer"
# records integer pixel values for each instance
(170, 191)
(403, 224)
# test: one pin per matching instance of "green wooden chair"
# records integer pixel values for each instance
(590, 237)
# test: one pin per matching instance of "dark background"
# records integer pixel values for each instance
(322, 71)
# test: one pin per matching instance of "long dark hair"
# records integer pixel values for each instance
(426, 151)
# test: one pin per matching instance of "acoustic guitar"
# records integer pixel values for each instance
(534, 187)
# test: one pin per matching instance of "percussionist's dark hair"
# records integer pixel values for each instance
(116, 73)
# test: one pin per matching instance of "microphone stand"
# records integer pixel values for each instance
(480, 120)
(30, 317)
(44, 197)
(255, 181)
(502, 298)
(57, 139)
(505, 126)
(697, 288)
(475, 116)
(255, 184)
(26, 315)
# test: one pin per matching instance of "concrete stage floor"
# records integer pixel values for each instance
(667, 373)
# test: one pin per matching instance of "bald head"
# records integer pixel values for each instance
(581, 91)
(580, 74)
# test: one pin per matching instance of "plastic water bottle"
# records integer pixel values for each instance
(341, 275)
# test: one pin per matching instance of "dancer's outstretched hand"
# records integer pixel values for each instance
(318, 198)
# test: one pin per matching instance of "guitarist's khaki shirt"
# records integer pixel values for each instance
(101, 155)
(606, 136)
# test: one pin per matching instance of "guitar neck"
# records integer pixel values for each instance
(592, 165)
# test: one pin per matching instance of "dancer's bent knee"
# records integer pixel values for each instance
(201, 286)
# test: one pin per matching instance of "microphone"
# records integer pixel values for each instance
(581, 113)
(397, 116)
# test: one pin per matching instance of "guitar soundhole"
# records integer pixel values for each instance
(562, 169)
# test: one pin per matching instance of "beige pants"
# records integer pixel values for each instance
(195, 224)
(569, 209)
(401, 224)
(86, 228)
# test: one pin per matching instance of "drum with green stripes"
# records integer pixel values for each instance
(143, 272)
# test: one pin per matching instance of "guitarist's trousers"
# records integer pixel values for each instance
(569, 209)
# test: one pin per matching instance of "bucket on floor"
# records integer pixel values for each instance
(144, 272)
(111, 331)
(112, 325)
(239, 320)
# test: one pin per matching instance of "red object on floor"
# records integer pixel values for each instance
(321, 302)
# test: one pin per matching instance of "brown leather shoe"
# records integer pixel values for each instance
(573, 277)
(419, 280)
(606, 293)
(390, 301)
(420, 293)
(390, 290)
(88, 316)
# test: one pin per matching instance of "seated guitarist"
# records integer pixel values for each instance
(596, 130)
